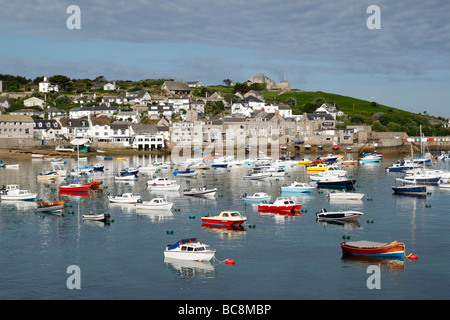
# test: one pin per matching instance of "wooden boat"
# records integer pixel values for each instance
(281, 204)
(349, 215)
(256, 198)
(124, 198)
(225, 218)
(296, 186)
(163, 184)
(49, 206)
(154, 204)
(74, 187)
(373, 249)
(13, 192)
(201, 191)
(345, 195)
(97, 217)
(189, 249)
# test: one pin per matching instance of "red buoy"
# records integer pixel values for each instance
(229, 261)
(412, 256)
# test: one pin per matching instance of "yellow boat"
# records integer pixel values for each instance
(317, 168)
(120, 159)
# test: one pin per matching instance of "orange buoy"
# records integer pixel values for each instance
(229, 261)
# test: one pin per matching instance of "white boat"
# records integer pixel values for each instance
(131, 177)
(346, 195)
(349, 215)
(296, 186)
(13, 192)
(11, 166)
(163, 184)
(124, 198)
(323, 175)
(37, 155)
(256, 197)
(189, 249)
(155, 204)
(372, 157)
(96, 217)
(63, 149)
(52, 174)
(200, 191)
(257, 176)
(275, 172)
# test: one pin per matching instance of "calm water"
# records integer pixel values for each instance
(282, 257)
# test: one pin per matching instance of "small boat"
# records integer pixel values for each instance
(257, 176)
(49, 206)
(163, 184)
(124, 198)
(346, 195)
(329, 159)
(129, 172)
(120, 159)
(74, 187)
(52, 174)
(201, 191)
(98, 166)
(444, 185)
(410, 189)
(373, 249)
(13, 192)
(350, 162)
(317, 167)
(61, 148)
(338, 215)
(225, 218)
(400, 166)
(281, 204)
(154, 204)
(97, 217)
(256, 198)
(130, 177)
(92, 184)
(185, 173)
(371, 158)
(296, 186)
(336, 182)
(275, 172)
(335, 146)
(189, 249)
(11, 166)
(37, 155)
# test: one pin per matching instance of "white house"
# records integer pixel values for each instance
(34, 102)
(178, 103)
(285, 111)
(161, 109)
(329, 108)
(45, 86)
(109, 86)
(135, 116)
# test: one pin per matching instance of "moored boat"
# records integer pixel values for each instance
(373, 249)
(97, 217)
(200, 191)
(349, 215)
(225, 218)
(296, 186)
(13, 192)
(256, 197)
(49, 206)
(346, 195)
(189, 249)
(336, 182)
(154, 204)
(163, 184)
(281, 204)
(124, 198)
(49, 175)
(74, 187)
(185, 173)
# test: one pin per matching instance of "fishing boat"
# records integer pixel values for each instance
(225, 218)
(256, 197)
(200, 191)
(154, 204)
(185, 173)
(129, 172)
(49, 175)
(345, 196)
(338, 215)
(373, 249)
(189, 249)
(281, 204)
(49, 206)
(13, 192)
(163, 184)
(74, 187)
(336, 182)
(124, 198)
(295, 186)
(97, 217)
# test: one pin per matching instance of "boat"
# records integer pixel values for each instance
(350, 162)
(163, 184)
(317, 167)
(329, 158)
(120, 159)
(74, 187)
(98, 166)
(93, 184)
(49, 175)
(281, 204)
(189, 249)
(336, 182)
(200, 165)
(349, 215)
(346, 195)
(130, 177)
(185, 173)
(13, 192)
(11, 166)
(401, 166)
(371, 158)
(257, 176)
(37, 155)
(97, 217)
(129, 172)
(154, 204)
(257, 197)
(335, 146)
(422, 177)
(323, 175)
(124, 198)
(200, 191)
(225, 218)
(275, 172)
(373, 249)
(444, 185)
(61, 148)
(410, 189)
(296, 186)
(49, 206)
(81, 170)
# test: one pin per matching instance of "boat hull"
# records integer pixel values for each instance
(75, 189)
(340, 216)
(336, 184)
(220, 222)
(410, 190)
(278, 208)
(373, 249)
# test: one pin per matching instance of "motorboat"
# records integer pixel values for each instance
(49, 175)
(49, 206)
(296, 186)
(317, 167)
(336, 182)
(281, 204)
(13, 192)
(124, 198)
(37, 155)
(189, 249)
(275, 172)
(163, 184)
(257, 176)
(256, 197)
(61, 148)
(371, 158)
(225, 218)
(130, 177)
(129, 172)
(98, 166)
(154, 204)
(323, 175)
(74, 187)
(185, 173)
(349, 215)
(401, 166)
(97, 217)
(373, 249)
(345, 196)
(200, 191)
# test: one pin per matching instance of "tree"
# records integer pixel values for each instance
(63, 82)
(227, 82)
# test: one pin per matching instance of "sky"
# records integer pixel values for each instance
(315, 45)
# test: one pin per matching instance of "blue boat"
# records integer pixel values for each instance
(340, 183)
(401, 166)
(128, 172)
(416, 190)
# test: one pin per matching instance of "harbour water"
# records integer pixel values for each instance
(277, 258)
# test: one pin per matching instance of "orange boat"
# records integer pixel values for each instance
(373, 249)
(50, 203)
(93, 184)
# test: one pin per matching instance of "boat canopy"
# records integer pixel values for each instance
(182, 241)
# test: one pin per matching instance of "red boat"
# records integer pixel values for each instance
(281, 204)
(75, 187)
(373, 249)
(225, 218)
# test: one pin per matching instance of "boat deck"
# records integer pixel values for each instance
(366, 244)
